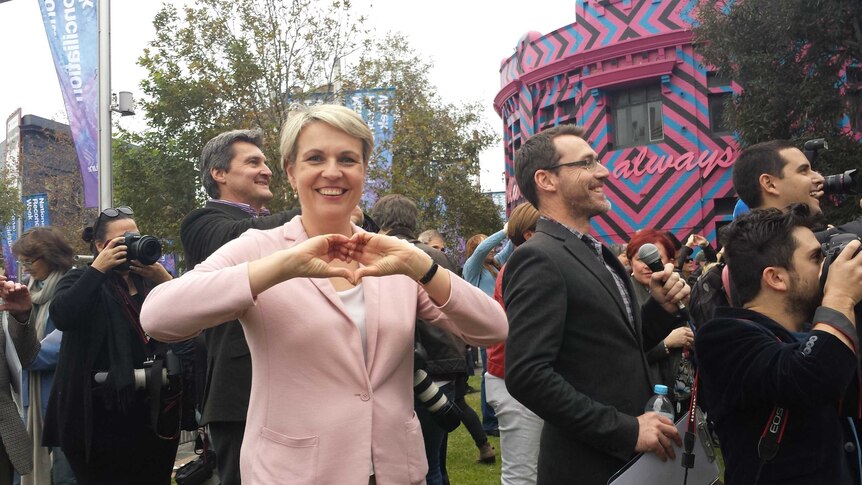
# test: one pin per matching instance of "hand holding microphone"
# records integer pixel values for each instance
(666, 286)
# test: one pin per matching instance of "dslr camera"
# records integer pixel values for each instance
(146, 249)
(847, 183)
(831, 249)
(445, 413)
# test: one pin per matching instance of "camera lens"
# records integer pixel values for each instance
(147, 250)
(847, 183)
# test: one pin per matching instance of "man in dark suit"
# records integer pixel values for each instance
(575, 354)
(236, 177)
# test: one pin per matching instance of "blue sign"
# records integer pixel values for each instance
(10, 235)
(36, 213)
(374, 107)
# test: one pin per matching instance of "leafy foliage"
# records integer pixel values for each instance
(216, 66)
(435, 146)
(10, 203)
(791, 65)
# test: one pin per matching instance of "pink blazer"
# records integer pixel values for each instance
(318, 414)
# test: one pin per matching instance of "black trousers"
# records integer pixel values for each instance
(226, 438)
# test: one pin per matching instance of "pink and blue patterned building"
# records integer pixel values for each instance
(626, 71)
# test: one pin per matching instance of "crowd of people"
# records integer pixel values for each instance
(332, 345)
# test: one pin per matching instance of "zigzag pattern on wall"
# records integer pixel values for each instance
(600, 23)
(681, 201)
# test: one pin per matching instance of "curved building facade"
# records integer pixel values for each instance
(626, 71)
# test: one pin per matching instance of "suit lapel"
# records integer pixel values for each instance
(590, 261)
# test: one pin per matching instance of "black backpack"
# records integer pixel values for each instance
(707, 294)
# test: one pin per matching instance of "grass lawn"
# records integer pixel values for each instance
(462, 454)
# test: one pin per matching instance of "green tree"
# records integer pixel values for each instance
(215, 66)
(791, 63)
(435, 145)
(10, 202)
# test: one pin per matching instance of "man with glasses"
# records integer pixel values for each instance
(236, 177)
(575, 355)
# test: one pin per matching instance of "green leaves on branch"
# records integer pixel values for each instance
(790, 62)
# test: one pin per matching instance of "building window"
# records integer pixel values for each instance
(637, 116)
(568, 109)
(717, 102)
(716, 80)
(546, 115)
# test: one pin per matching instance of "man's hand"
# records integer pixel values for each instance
(656, 434)
(668, 289)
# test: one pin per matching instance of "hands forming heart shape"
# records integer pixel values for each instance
(379, 255)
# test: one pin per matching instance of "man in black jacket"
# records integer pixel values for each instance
(575, 354)
(759, 371)
(236, 177)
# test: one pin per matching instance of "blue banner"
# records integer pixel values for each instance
(36, 213)
(10, 235)
(72, 27)
(374, 107)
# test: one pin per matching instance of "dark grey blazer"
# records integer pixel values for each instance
(573, 358)
(16, 441)
(228, 382)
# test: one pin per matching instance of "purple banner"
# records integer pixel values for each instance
(72, 27)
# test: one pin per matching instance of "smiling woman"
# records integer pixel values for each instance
(321, 286)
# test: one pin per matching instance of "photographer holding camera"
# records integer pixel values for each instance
(778, 395)
(104, 425)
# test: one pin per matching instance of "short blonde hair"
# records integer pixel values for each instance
(334, 115)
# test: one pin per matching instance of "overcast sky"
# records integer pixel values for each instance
(465, 39)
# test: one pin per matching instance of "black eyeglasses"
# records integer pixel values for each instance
(588, 163)
(112, 212)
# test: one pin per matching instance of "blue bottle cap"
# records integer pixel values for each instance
(660, 389)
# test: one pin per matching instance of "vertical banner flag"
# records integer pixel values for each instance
(11, 165)
(374, 107)
(10, 235)
(72, 27)
(36, 213)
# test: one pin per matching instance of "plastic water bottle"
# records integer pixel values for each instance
(660, 403)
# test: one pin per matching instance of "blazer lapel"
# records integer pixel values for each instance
(590, 261)
(371, 292)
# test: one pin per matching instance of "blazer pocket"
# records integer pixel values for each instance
(282, 459)
(417, 462)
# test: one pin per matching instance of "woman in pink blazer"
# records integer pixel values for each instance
(328, 311)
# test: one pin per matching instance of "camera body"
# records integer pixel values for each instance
(831, 249)
(146, 249)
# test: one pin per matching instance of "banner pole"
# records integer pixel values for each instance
(105, 173)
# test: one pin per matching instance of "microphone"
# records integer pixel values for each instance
(649, 255)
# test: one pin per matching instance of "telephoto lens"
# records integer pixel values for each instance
(847, 183)
(445, 413)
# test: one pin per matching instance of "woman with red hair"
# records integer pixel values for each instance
(665, 357)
